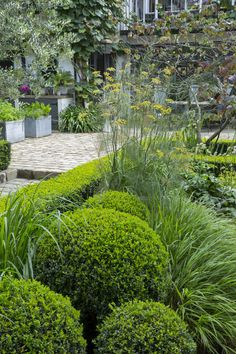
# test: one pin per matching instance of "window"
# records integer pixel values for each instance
(152, 6)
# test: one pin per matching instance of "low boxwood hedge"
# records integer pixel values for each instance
(144, 327)
(220, 146)
(219, 163)
(120, 201)
(107, 256)
(64, 192)
(33, 319)
(5, 154)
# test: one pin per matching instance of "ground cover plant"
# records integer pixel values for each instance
(203, 186)
(146, 327)
(36, 320)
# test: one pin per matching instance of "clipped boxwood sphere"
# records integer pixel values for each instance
(107, 256)
(120, 201)
(33, 319)
(144, 327)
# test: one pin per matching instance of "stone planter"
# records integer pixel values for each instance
(12, 131)
(36, 128)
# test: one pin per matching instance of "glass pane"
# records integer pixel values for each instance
(178, 5)
(151, 5)
(166, 4)
(140, 9)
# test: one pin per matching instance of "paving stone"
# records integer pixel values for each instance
(11, 174)
(56, 153)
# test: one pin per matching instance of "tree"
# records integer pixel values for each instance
(197, 49)
(33, 28)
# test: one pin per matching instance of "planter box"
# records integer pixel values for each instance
(57, 103)
(36, 128)
(12, 131)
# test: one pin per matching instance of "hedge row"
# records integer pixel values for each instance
(221, 146)
(218, 162)
(5, 154)
(63, 191)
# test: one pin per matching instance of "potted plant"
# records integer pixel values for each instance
(62, 80)
(38, 122)
(12, 125)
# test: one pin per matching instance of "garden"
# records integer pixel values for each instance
(134, 252)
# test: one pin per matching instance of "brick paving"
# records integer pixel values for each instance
(56, 153)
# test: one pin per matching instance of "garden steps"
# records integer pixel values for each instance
(14, 185)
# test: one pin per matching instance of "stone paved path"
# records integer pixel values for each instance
(55, 153)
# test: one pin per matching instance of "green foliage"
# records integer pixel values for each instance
(64, 192)
(89, 90)
(20, 228)
(10, 80)
(37, 110)
(33, 27)
(5, 154)
(91, 25)
(107, 256)
(36, 320)
(218, 163)
(119, 201)
(144, 327)
(62, 78)
(9, 113)
(77, 119)
(203, 270)
(228, 178)
(221, 146)
(202, 185)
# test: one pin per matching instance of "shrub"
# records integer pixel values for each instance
(107, 256)
(9, 113)
(218, 163)
(120, 201)
(144, 327)
(221, 146)
(5, 154)
(37, 110)
(64, 192)
(36, 320)
(77, 119)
